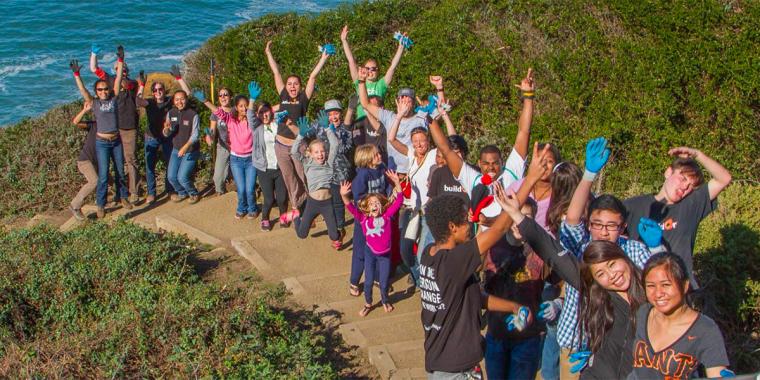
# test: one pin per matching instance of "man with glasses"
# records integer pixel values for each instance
(155, 109)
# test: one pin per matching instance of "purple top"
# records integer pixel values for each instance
(378, 230)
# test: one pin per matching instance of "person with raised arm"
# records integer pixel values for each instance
(376, 86)
(295, 101)
(156, 109)
(683, 201)
(107, 140)
(129, 119)
(264, 159)
(86, 162)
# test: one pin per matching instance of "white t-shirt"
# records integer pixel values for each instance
(404, 135)
(270, 131)
(419, 179)
(514, 169)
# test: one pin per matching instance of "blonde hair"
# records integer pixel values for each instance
(363, 204)
(365, 155)
(315, 142)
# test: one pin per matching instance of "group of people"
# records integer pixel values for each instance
(574, 283)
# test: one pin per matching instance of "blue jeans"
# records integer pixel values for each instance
(151, 158)
(376, 263)
(244, 174)
(506, 359)
(550, 354)
(108, 151)
(407, 246)
(179, 172)
(426, 238)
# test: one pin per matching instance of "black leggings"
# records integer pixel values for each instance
(314, 208)
(273, 187)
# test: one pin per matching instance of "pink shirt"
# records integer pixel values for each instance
(241, 137)
(543, 205)
(377, 231)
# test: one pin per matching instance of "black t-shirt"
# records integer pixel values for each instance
(701, 344)
(451, 303)
(363, 133)
(127, 109)
(296, 108)
(442, 181)
(679, 221)
(88, 149)
(156, 113)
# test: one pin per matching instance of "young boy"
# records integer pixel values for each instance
(682, 202)
(450, 291)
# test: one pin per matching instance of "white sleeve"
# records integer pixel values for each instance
(386, 117)
(514, 169)
(467, 177)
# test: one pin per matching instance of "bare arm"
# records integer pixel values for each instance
(86, 108)
(369, 108)
(278, 83)
(82, 90)
(313, 76)
(394, 64)
(352, 69)
(522, 139)
(119, 71)
(401, 147)
(93, 62)
(536, 170)
(450, 130)
(453, 161)
(578, 202)
(720, 175)
(183, 85)
(493, 303)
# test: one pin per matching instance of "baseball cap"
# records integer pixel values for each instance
(333, 105)
(406, 91)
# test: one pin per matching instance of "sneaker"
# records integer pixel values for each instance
(150, 199)
(194, 199)
(178, 198)
(125, 203)
(289, 216)
(239, 215)
(101, 213)
(252, 215)
(77, 212)
(337, 244)
(265, 225)
(133, 198)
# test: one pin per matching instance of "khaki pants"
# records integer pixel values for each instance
(564, 366)
(129, 144)
(292, 174)
(91, 174)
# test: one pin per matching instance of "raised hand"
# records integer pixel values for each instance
(120, 53)
(95, 49)
(280, 116)
(684, 152)
(520, 321)
(75, 67)
(362, 74)
(403, 106)
(403, 40)
(344, 33)
(580, 359)
(322, 120)
(268, 47)
(175, 72)
(254, 90)
(345, 188)
(303, 126)
(436, 81)
(527, 84)
(87, 105)
(550, 310)
(393, 176)
(198, 94)
(650, 232)
(538, 164)
(353, 101)
(597, 154)
(328, 49)
(141, 78)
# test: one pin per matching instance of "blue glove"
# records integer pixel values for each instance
(430, 107)
(549, 310)
(280, 116)
(725, 372)
(198, 94)
(254, 90)
(650, 232)
(581, 360)
(519, 322)
(596, 154)
(403, 40)
(328, 49)
(303, 126)
(95, 49)
(322, 119)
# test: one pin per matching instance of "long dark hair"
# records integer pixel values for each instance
(237, 99)
(595, 312)
(676, 269)
(565, 179)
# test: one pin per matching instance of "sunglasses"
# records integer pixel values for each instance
(372, 69)
(99, 89)
(224, 95)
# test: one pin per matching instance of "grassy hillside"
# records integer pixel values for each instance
(648, 75)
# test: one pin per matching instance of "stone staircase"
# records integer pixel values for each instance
(311, 269)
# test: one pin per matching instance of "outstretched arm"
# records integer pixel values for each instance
(394, 64)
(596, 157)
(94, 51)
(74, 65)
(453, 161)
(313, 76)
(403, 108)
(369, 108)
(450, 130)
(278, 83)
(352, 69)
(720, 175)
(119, 69)
(527, 89)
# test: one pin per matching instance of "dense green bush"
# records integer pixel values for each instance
(122, 302)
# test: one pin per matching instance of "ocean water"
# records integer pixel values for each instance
(39, 38)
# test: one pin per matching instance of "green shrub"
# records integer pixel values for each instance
(123, 302)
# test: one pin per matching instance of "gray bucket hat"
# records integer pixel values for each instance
(333, 105)
(406, 91)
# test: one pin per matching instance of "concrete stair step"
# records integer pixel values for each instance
(390, 328)
(401, 360)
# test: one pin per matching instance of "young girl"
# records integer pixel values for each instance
(374, 215)
(370, 178)
(672, 339)
(318, 168)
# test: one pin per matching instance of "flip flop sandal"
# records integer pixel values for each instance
(365, 310)
(388, 307)
(353, 290)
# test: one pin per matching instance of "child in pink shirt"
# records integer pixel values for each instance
(374, 214)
